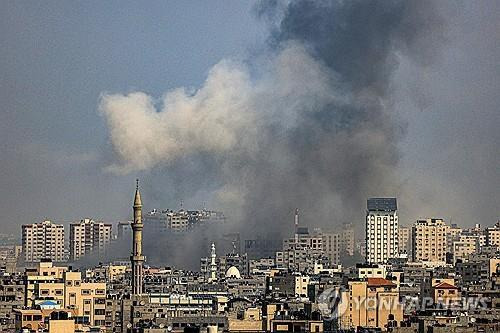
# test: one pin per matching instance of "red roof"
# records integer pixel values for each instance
(445, 285)
(380, 282)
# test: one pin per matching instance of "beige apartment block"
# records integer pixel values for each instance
(493, 235)
(464, 246)
(429, 241)
(347, 239)
(88, 237)
(370, 303)
(404, 234)
(332, 246)
(43, 240)
(453, 232)
(45, 272)
(86, 299)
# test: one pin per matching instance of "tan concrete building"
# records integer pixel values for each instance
(370, 303)
(301, 252)
(45, 272)
(404, 234)
(464, 246)
(43, 240)
(48, 320)
(429, 241)
(248, 320)
(332, 245)
(87, 299)
(88, 237)
(441, 291)
(347, 239)
(493, 235)
(68, 290)
(453, 232)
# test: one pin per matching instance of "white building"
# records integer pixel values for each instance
(381, 230)
(88, 237)
(43, 240)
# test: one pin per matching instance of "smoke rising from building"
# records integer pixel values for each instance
(308, 123)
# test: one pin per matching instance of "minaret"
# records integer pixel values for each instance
(137, 258)
(213, 265)
(296, 226)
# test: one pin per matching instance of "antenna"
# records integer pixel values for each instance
(137, 183)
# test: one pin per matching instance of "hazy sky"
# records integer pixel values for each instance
(59, 57)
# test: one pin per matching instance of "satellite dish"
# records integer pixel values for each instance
(161, 325)
(169, 329)
(142, 303)
(129, 325)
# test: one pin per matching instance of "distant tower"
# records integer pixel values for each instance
(296, 225)
(213, 265)
(137, 258)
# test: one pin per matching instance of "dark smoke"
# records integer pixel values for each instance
(314, 128)
(340, 154)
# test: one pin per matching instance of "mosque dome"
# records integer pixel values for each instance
(233, 272)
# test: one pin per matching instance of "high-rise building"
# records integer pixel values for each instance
(347, 239)
(453, 233)
(332, 246)
(43, 240)
(124, 229)
(302, 251)
(381, 230)
(429, 241)
(88, 237)
(464, 246)
(404, 240)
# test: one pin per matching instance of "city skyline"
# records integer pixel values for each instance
(315, 166)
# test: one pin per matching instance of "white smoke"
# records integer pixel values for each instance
(225, 116)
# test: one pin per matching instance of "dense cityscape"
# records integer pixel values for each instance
(430, 276)
(250, 166)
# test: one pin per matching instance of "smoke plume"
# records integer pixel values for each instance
(308, 123)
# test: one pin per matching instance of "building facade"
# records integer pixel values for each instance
(429, 240)
(88, 237)
(381, 230)
(493, 235)
(404, 242)
(43, 240)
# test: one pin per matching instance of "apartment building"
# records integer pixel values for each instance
(87, 299)
(371, 303)
(463, 246)
(381, 230)
(493, 235)
(67, 290)
(43, 240)
(429, 241)
(89, 237)
(404, 239)
(347, 239)
(332, 245)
